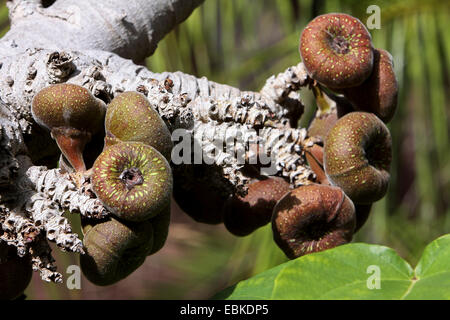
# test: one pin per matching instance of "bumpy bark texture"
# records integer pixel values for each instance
(100, 46)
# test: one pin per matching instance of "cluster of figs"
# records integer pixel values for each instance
(351, 155)
(353, 163)
(133, 178)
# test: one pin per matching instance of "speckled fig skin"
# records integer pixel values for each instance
(378, 94)
(133, 180)
(68, 105)
(358, 152)
(72, 114)
(110, 140)
(130, 117)
(160, 225)
(243, 215)
(319, 128)
(313, 218)
(15, 272)
(322, 124)
(114, 249)
(337, 51)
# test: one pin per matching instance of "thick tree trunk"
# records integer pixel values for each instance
(99, 44)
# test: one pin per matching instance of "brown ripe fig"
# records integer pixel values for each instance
(133, 180)
(314, 156)
(243, 215)
(114, 249)
(72, 114)
(358, 152)
(313, 218)
(200, 191)
(337, 51)
(343, 106)
(130, 117)
(15, 272)
(362, 214)
(160, 225)
(321, 124)
(330, 108)
(378, 94)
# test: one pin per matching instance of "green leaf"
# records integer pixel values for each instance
(349, 272)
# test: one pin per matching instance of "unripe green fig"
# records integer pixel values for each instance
(243, 215)
(313, 218)
(130, 117)
(72, 114)
(133, 180)
(114, 249)
(336, 50)
(378, 94)
(358, 152)
(15, 272)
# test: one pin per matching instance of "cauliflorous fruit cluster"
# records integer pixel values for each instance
(133, 179)
(356, 94)
(353, 156)
(337, 52)
(132, 176)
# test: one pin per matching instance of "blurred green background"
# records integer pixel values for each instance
(242, 43)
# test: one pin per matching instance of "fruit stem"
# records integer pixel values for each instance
(323, 101)
(71, 142)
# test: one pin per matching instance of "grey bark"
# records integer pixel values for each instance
(131, 29)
